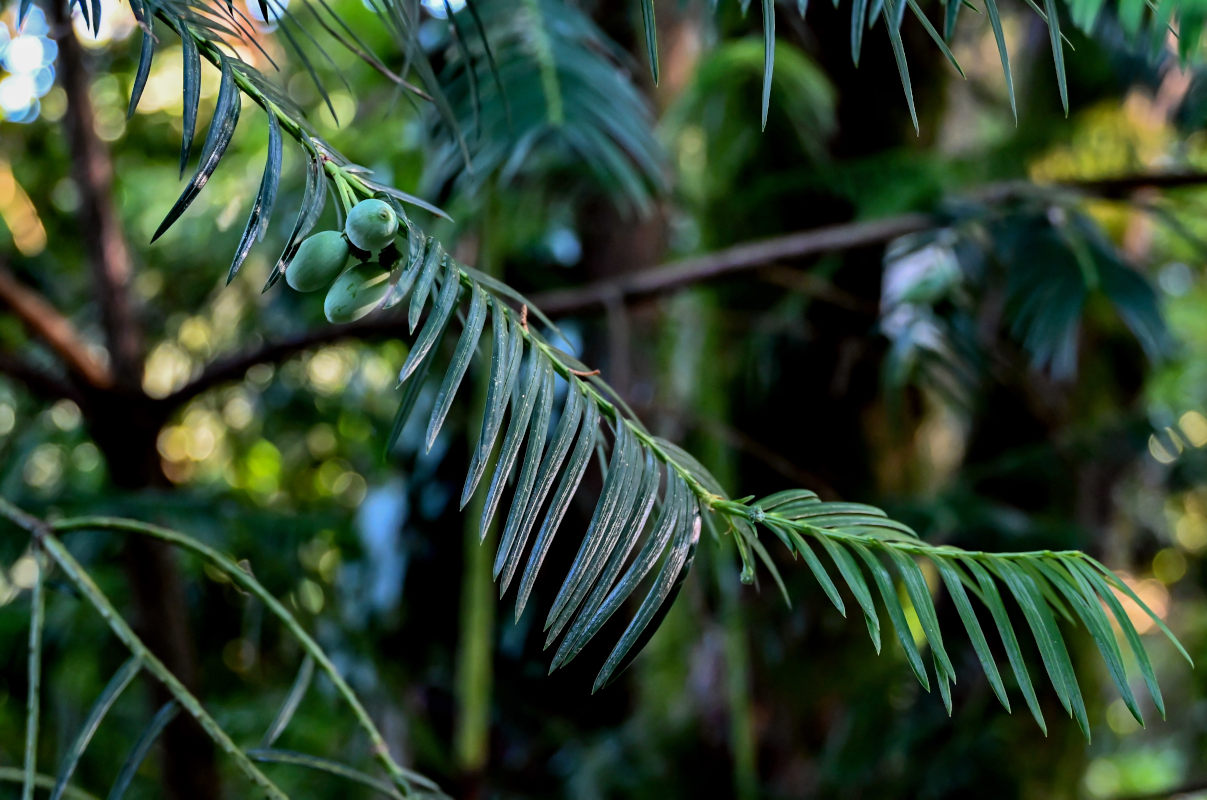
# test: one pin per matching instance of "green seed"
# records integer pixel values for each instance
(356, 292)
(318, 261)
(371, 225)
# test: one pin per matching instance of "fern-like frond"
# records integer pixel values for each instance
(543, 89)
(50, 552)
(1145, 25)
(1043, 585)
(655, 497)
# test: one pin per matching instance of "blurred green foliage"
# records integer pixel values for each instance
(786, 376)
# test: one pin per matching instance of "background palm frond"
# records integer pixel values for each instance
(1144, 26)
(1036, 270)
(544, 91)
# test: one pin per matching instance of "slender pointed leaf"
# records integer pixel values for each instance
(471, 70)
(952, 13)
(1114, 581)
(1047, 636)
(801, 546)
(108, 696)
(417, 60)
(619, 473)
(222, 128)
(563, 438)
(651, 36)
(774, 501)
(534, 450)
(673, 506)
(1058, 55)
(944, 680)
(33, 687)
(1107, 595)
(934, 35)
(629, 517)
(435, 324)
(924, 607)
(859, 10)
(408, 272)
(874, 11)
(995, 22)
(993, 600)
(856, 583)
(577, 636)
(191, 98)
(410, 396)
(138, 753)
(283, 28)
(145, 55)
(407, 198)
(892, 605)
(471, 5)
(506, 357)
(659, 599)
(266, 198)
(572, 476)
(308, 213)
(522, 403)
(858, 522)
(464, 353)
(85, 12)
(432, 262)
(1085, 604)
(759, 550)
(807, 510)
(955, 590)
(277, 756)
(894, 37)
(292, 700)
(504, 290)
(768, 54)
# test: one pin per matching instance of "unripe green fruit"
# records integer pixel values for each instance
(371, 225)
(318, 261)
(356, 292)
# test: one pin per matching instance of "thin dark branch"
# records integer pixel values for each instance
(100, 229)
(830, 239)
(733, 260)
(41, 383)
(730, 261)
(234, 367)
(1122, 186)
(45, 321)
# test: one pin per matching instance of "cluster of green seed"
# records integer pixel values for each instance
(321, 260)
